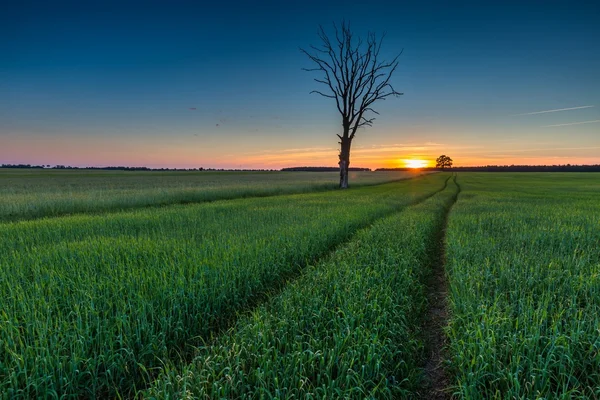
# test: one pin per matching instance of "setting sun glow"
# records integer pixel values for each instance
(415, 163)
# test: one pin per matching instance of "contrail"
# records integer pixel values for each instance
(572, 123)
(551, 111)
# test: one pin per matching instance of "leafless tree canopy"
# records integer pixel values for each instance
(354, 75)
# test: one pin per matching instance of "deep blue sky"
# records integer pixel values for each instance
(96, 83)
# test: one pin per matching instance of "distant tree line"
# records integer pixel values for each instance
(121, 168)
(323, 169)
(512, 168)
(21, 166)
(487, 168)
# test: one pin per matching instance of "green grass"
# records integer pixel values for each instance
(28, 194)
(524, 268)
(93, 306)
(348, 328)
(279, 297)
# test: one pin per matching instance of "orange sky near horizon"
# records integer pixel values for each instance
(178, 152)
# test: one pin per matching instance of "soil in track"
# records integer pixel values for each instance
(437, 382)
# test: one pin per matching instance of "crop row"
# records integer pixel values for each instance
(347, 328)
(28, 195)
(92, 306)
(524, 268)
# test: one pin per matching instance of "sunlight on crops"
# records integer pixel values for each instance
(524, 267)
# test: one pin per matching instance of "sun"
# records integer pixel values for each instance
(415, 163)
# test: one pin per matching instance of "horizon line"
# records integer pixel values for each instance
(200, 169)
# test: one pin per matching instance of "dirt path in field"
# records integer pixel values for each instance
(436, 378)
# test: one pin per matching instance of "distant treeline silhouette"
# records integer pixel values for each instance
(323, 169)
(121, 168)
(487, 168)
(21, 166)
(511, 168)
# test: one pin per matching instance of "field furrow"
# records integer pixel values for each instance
(437, 380)
(524, 270)
(93, 306)
(347, 328)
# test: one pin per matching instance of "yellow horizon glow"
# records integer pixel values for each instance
(189, 152)
(415, 163)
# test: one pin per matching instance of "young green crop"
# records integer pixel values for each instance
(92, 306)
(348, 328)
(28, 194)
(524, 267)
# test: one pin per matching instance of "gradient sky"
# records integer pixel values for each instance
(219, 84)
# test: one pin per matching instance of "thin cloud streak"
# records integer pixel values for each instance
(494, 153)
(551, 111)
(572, 123)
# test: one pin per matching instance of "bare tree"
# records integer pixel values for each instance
(355, 77)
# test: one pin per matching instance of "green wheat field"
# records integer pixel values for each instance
(274, 285)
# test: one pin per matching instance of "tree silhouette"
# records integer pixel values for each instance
(443, 161)
(355, 77)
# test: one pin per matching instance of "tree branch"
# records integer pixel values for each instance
(354, 74)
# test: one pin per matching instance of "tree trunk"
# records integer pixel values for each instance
(344, 162)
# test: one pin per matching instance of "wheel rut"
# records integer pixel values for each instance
(185, 354)
(437, 382)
